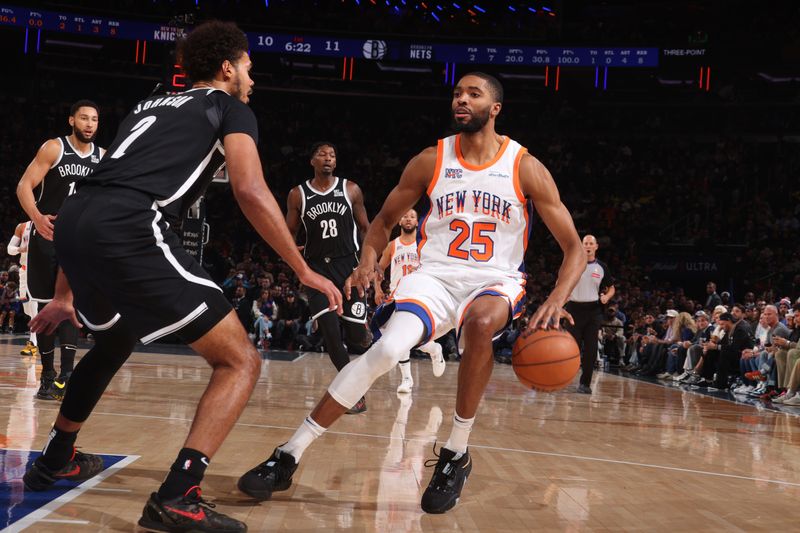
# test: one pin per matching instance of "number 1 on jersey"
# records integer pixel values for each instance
(136, 131)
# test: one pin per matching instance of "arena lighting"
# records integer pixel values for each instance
(456, 6)
(435, 16)
(479, 8)
(512, 8)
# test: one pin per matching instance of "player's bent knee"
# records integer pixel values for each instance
(477, 325)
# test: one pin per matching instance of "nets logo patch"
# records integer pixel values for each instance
(453, 173)
(358, 310)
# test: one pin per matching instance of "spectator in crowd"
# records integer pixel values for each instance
(654, 353)
(752, 316)
(612, 335)
(243, 307)
(265, 311)
(737, 339)
(683, 331)
(709, 352)
(783, 307)
(766, 373)
(713, 299)
(10, 306)
(291, 315)
(692, 351)
(783, 360)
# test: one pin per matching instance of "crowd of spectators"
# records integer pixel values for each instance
(748, 348)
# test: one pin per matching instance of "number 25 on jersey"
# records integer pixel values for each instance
(475, 242)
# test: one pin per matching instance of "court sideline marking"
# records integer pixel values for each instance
(491, 448)
(42, 512)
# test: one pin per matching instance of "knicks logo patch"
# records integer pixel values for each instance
(453, 173)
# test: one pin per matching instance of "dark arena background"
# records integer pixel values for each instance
(672, 130)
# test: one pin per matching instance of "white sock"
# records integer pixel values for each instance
(307, 433)
(459, 435)
(405, 369)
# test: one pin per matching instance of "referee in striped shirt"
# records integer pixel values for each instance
(593, 291)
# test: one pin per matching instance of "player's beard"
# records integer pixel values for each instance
(81, 137)
(408, 231)
(474, 124)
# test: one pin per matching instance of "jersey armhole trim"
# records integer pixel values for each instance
(438, 168)
(302, 215)
(517, 186)
(58, 160)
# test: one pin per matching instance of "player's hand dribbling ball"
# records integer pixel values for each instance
(546, 360)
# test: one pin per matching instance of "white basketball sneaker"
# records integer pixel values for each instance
(434, 349)
(405, 386)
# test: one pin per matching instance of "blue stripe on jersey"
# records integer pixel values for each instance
(528, 230)
(426, 208)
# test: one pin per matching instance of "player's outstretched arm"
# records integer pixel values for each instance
(412, 185)
(259, 206)
(538, 186)
(33, 176)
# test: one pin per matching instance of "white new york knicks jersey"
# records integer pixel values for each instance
(405, 260)
(478, 215)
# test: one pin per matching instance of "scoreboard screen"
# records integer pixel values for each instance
(367, 48)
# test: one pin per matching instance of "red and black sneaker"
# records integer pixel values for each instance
(80, 467)
(189, 512)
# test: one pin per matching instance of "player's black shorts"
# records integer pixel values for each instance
(42, 268)
(122, 260)
(337, 269)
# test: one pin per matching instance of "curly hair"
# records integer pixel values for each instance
(205, 49)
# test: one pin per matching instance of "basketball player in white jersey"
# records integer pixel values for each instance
(19, 246)
(402, 258)
(480, 186)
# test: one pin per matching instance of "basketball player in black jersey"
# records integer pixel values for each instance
(332, 212)
(132, 280)
(52, 176)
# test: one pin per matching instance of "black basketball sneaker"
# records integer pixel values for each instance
(46, 387)
(189, 512)
(80, 467)
(272, 475)
(358, 408)
(448, 479)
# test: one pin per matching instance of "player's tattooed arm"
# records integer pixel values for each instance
(538, 186)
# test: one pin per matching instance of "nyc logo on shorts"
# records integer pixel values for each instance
(453, 173)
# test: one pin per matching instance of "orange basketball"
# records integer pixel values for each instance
(546, 360)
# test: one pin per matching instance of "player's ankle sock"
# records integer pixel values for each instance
(459, 435)
(67, 360)
(307, 433)
(59, 448)
(47, 359)
(405, 368)
(186, 472)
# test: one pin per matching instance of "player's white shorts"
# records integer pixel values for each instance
(441, 304)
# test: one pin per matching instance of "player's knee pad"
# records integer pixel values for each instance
(95, 370)
(357, 377)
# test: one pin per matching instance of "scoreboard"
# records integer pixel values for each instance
(316, 45)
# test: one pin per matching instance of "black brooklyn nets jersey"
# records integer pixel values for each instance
(328, 220)
(170, 147)
(61, 179)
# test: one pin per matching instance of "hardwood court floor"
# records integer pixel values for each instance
(633, 457)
